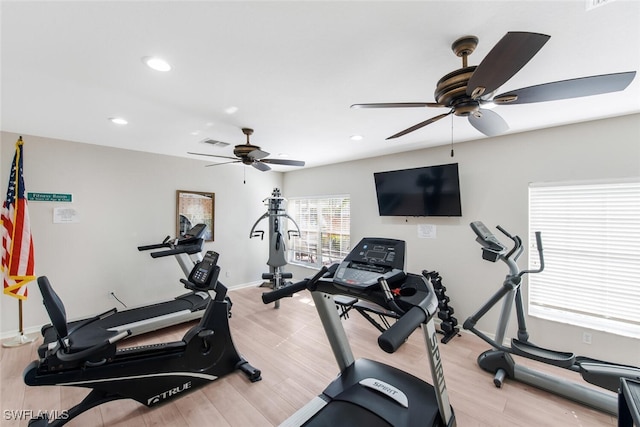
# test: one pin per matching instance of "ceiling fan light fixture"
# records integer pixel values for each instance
(488, 105)
(156, 63)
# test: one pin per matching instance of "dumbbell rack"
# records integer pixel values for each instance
(449, 324)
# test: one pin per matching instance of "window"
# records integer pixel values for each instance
(325, 224)
(591, 241)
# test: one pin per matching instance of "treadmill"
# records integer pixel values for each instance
(190, 306)
(367, 392)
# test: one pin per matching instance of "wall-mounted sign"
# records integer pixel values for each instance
(49, 197)
(65, 216)
(426, 231)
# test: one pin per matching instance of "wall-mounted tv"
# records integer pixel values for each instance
(425, 191)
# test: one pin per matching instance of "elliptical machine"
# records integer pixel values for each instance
(150, 374)
(499, 361)
(367, 392)
(277, 251)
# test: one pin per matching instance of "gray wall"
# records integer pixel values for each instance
(494, 175)
(126, 199)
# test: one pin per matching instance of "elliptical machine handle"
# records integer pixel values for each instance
(391, 339)
(539, 242)
(505, 232)
(269, 297)
(540, 256)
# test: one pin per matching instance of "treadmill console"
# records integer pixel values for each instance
(371, 259)
(192, 235)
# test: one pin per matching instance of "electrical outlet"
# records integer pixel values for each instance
(227, 274)
(586, 337)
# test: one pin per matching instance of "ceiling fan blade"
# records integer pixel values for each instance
(566, 89)
(398, 105)
(260, 166)
(420, 125)
(284, 162)
(489, 123)
(212, 155)
(506, 58)
(257, 154)
(223, 163)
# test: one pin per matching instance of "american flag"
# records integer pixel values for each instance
(17, 244)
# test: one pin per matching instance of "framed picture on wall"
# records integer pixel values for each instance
(195, 207)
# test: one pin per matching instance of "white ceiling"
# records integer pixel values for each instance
(292, 69)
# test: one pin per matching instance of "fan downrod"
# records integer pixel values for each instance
(463, 47)
(248, 132)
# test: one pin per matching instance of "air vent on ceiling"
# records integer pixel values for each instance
(214, 142)
(592, 4)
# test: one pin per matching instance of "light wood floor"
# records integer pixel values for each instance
(289, 347)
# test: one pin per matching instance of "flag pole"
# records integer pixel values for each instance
(21, 338)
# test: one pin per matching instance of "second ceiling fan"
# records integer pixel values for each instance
(466, 90)
(252, 155)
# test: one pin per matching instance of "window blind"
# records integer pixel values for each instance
(325, 227)
(591, 240)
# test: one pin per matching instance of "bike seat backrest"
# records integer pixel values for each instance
(54, 306)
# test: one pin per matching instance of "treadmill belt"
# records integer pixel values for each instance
(129, 316)
(338, 413)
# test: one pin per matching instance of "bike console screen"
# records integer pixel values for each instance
(371, 259)
(204, 273)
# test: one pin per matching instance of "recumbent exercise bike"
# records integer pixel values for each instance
(150, 374)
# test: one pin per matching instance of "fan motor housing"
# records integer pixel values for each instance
(243, 151)
(451, 91)
(453, 86)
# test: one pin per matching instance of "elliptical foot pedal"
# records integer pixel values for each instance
(551, 357)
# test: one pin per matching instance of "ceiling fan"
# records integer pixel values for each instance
(466, 90)
(249, 154)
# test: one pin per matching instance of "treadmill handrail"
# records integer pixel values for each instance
(182, 249)
(391, 339)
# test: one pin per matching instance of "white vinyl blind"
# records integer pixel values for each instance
(591, 240)
(325, 227)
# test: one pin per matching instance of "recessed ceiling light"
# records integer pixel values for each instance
(118, 120)
(356, 137)
(156, 63)
(231, 110)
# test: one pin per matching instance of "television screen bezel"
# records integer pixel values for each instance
(456, 213)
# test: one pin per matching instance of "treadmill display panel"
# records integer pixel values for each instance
(371, 259)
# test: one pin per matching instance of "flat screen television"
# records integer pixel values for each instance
(424, 191)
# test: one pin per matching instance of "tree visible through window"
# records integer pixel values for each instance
(325, 226)
(591, 241)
